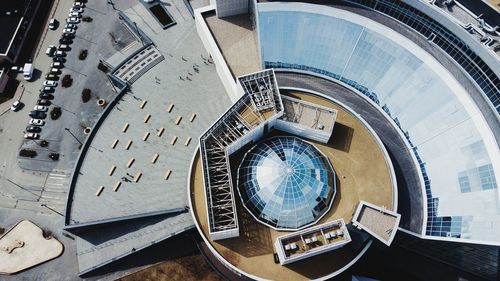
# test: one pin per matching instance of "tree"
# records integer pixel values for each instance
(55, 113)
(102, 67)
(83, 54)
(67, 81)
(86, 94)
(27, 153)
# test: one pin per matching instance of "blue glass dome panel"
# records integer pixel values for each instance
(286, 183)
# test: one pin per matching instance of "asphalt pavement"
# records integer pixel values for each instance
(35, 189)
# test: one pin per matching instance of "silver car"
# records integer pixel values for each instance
(50, 83)
(73, 20)
(37, 122)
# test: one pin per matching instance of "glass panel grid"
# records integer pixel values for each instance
(286, 183)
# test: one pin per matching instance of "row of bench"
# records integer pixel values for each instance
(146, 135)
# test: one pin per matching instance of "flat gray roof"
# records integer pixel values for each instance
(104, 245)
(172, 82)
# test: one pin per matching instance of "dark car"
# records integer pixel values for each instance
(33, 129)
(51, 77)
(46, 96)
(60, 59)
(65, 40)
(47, 90)
(68, 35)
(37, 114)
(43, 102)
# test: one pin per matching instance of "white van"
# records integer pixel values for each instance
(53, 24)
(28, 71)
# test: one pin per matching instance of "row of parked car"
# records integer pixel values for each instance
(58, 55)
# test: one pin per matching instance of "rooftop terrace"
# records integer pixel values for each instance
(252, 252)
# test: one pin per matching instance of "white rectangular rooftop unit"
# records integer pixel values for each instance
(312, 241)
(307, 119)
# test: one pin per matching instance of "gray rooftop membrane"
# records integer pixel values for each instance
(160, 87)
(103, 245)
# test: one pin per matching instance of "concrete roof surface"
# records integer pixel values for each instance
(105, 244)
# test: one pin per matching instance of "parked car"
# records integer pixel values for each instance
(37, 114)
(50, 50)
(70, 26)
(28, 70)
(47, 89)
(59, 59)
(50, 83)
(56, 65)
(68, 31)
(74, 15)
(63, 47)
(76, 10)
(46, 96)
(36, 122)
(31, 136)
(78, 4)
(16, 68)
(33, 129)
(16, 105)
(68, 35)
(65, 40)
(52, 77)
(53, 23)
(40, 108)
(43, 102)
(54, 70)
(60, 54)
(73, 20)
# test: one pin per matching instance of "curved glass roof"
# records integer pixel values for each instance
(286, 183)
(453, 144)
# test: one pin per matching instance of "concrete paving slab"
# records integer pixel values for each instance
(62, 268)
(24, 246)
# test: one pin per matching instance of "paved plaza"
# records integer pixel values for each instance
(41, 186)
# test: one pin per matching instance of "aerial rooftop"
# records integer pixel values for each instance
(252, 252)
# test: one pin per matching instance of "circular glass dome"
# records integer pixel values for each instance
(286, 183)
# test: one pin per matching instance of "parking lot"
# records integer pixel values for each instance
(104, 39)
